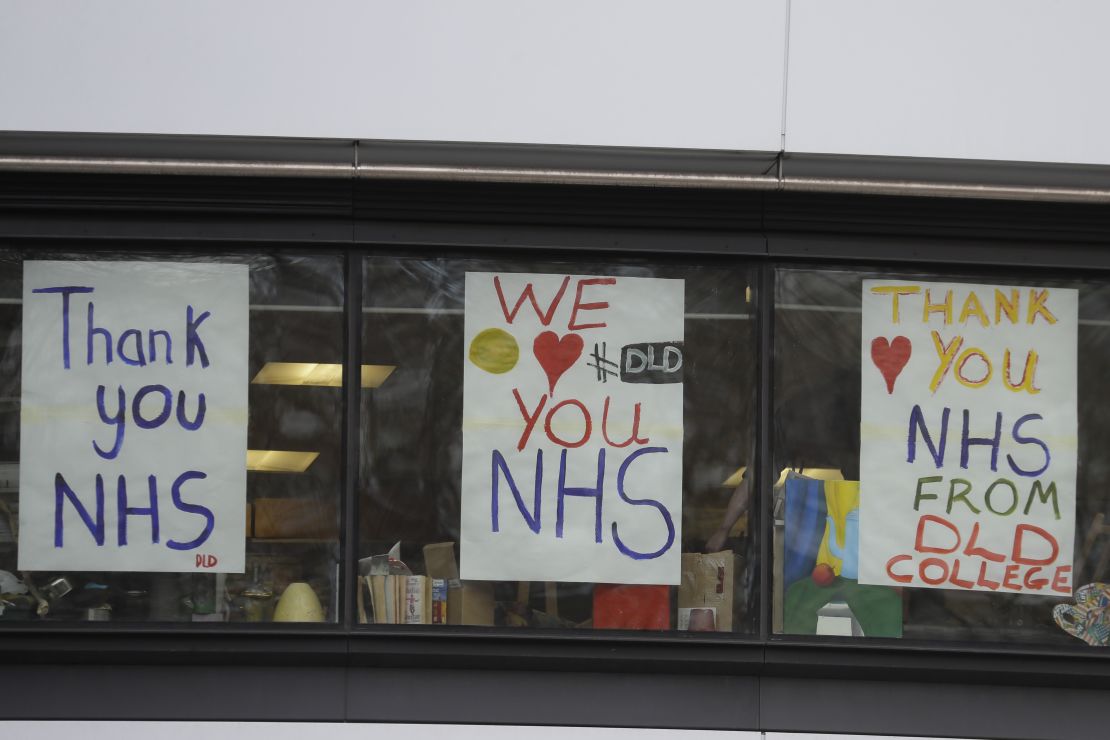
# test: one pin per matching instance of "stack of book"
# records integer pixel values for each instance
(402, 599)
(436, 598)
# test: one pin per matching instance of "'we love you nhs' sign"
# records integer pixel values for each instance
(572, 428)
(968, 436)
(133, 427)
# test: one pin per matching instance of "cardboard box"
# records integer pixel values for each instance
(471, 602)
(439, 561)
(708, 583)
(295, 518)
(468, 602)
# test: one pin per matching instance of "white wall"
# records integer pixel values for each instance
(984, 79)
(616, 72)
(995, 79)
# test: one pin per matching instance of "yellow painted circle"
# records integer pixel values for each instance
(495, 351)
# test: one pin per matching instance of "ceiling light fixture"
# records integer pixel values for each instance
(328, 375)
(280, 461)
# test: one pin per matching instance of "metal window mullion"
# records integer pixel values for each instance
(764, 477)
(352, 386)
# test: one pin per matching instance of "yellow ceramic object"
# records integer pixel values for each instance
(299, 604)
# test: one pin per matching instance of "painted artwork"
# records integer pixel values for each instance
(572, 428)
(1089, 617)
(821, 567)
(968, 436)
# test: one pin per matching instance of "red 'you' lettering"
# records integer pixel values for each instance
(529, 293)
(529, 418)
(580, 306)
(585, 417)
(634, 437)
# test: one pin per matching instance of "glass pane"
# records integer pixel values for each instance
(980, 497)
(293, 477)
(470, 385)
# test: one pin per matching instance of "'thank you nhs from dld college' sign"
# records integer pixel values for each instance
(968, 436)
(572, 428)
(134, 416)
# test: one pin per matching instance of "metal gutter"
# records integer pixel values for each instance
(556, 176)
(927, 189)
(139, 166)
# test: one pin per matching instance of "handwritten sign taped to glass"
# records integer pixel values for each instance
(968, 436)
(572, 428)
(134, 416)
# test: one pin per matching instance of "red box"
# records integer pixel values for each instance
(632, 607)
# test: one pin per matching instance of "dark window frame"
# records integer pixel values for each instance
(118, 212)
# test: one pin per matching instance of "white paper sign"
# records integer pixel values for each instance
(134, 417)
(572, 428)
(968, 436)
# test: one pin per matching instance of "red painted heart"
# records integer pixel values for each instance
(890, 358)
(556, 355)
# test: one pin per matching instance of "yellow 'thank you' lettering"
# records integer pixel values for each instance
(944, 307)
(1006, 307)
(896, 291)
(1037, 308)
(949, 356)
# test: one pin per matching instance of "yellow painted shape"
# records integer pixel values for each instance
(841, 496)
(495, 351)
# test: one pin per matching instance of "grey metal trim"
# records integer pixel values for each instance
(556, 176)
(546, 176)
(917, 188)
(129, 166)
(734, 182)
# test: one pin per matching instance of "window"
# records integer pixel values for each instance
(482, 376)
(290, 523)
(566, 444)
(983, 480)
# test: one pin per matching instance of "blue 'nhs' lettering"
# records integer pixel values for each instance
(533, 519)
(95, 522)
